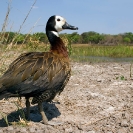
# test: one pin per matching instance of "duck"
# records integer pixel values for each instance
(40, 75)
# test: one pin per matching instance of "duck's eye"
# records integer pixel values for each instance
(58, 19)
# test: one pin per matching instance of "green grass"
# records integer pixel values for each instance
(78, 52)
(85, 53)
(106, 51)
(81, 50)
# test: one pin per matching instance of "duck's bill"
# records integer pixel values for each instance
(68, 26)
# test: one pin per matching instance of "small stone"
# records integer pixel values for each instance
(99, 80)
(68, 130)
(1, 131)
(122, 130)
(91, 131)
(10, 128)
(41, 131)
(23, 130)
(131, 121)
(124, 123)
(32, 130)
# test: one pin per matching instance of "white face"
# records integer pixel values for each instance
(60, 21)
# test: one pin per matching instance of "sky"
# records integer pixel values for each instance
(102, 16)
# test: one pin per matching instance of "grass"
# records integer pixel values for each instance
(84, 52)
(5, 118)
(20, 120)
(78, 52)
(107, 51)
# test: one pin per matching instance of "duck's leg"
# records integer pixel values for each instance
(44, 118)
(27, 108)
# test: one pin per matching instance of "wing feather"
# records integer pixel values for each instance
(34, 73)
(37, 74)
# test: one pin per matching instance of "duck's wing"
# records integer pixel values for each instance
(33, 73)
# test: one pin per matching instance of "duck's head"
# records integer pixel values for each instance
(56, 24)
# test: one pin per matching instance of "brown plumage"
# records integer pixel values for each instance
(40, 75)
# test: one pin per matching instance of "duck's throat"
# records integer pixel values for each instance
(57, 45)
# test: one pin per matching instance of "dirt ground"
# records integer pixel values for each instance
(97, 99)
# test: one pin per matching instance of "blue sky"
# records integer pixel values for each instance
(102, 16)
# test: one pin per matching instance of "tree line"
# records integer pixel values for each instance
(90, 37)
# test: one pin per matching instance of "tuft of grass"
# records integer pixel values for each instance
(20, 110)
(121, 78)
(22, 119)
(21, 122)
(5, 118)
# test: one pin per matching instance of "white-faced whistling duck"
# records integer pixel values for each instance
(40, 75)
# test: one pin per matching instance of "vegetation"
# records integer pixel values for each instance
(78, 52)
(92, 38)
(108, 51)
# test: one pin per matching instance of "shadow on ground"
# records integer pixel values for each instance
(50, 110)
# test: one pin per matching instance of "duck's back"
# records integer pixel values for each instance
(35, 74)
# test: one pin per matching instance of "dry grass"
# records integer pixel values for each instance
(81, 45)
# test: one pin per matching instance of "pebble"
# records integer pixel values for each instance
(131, 121)
(32, 130)
(99, 80)
(124, 123)
(91, 132)
(1, 131)
(23, 130)
(68, 130)
(10, 128)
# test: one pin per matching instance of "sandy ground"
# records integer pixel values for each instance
(97, 99)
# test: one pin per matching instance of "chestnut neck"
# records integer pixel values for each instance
(57, 45)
